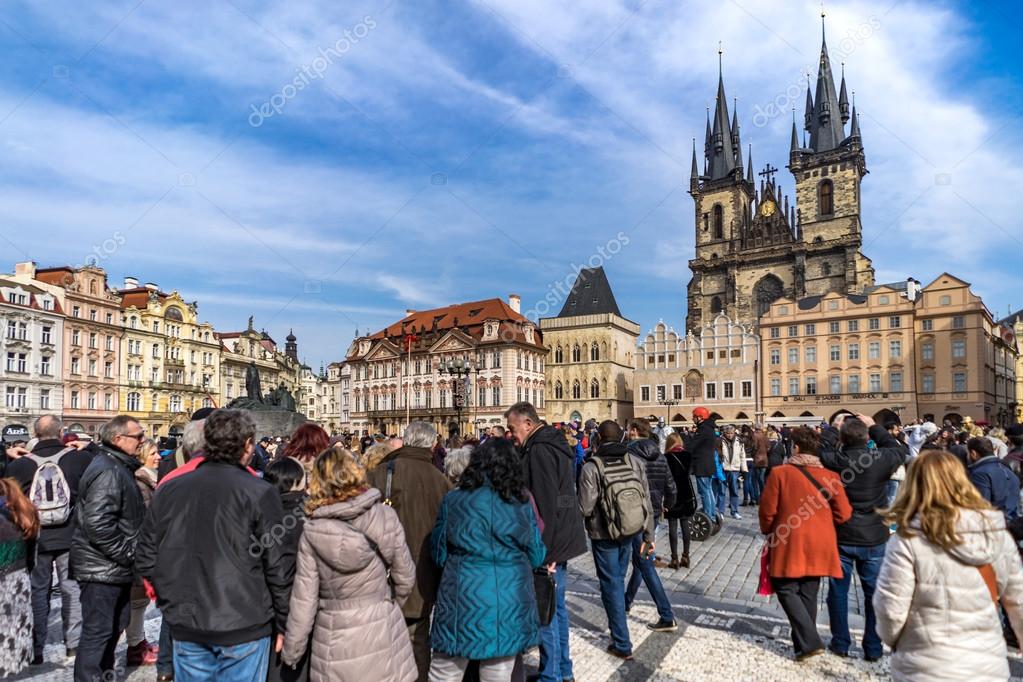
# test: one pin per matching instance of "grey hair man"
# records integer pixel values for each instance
(48, 426)
(411, 481)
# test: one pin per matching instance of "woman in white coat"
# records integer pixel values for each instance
(948, 561)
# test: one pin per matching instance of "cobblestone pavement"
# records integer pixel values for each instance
(725, 629)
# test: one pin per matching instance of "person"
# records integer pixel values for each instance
(176, 456)
(993, 478)
(354, 572)
(758, 475)
(661, 488)
(680, 464)
(801, 504)
(487, 542)
(661, 432)
(1014, 458)
(140, 651)
(550, 477)
(918, 434)
(948, 563)
(371, 458)
(703, 446)
(108, 514)
(611, 556)
(307, 441)
(776, 452)
(577, 450)
(210, 547)
(733, 462)
(865, 472)
(415, 488)
(19, 528)
(456, 461)
(288, 477)
(54, 542)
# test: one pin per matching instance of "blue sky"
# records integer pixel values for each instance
(414, 154)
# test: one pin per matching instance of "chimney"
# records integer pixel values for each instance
(26, 269)
(131, 283)
(515, 302)
(152, 287)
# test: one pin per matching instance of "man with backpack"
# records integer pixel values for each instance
(49, 477)
(614, 498)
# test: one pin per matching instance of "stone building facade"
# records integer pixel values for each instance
(240, 349)
(1015, 322)
(590, 349)
(754, 247)
(716, 369)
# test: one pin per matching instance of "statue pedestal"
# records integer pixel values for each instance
(275, 423)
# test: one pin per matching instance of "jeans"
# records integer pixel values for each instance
(674, 526)
(555, 658)
(41, 581)
(705, 491)
(867, 562)
(720, 494)
(165, 657)
(892, 491)
(244, 662)
(444, 668)
(734, 492)
(758, 477)
(798, 599)
(643, 570)
(105, 610)
(611, 560)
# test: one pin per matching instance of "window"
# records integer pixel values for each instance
(874, 350)
(110, 318)
(775, 332)
(875, 383)
(958, 322)
(710, 390)
(775, 356)
(854, 383)
(481, 396)
(44, 399)
(833, 327)
(108, 401)
(495, 359)
(44, 365)
(728, 389)
(854, 351)
(945, 300)
(91, 402)
(76, 337)
(927, 351)
(959, 382)
(559, 356)
(76, 311)
(895, 382)
(835, 385)
(835, 352)
(577, 355)
(927, 383)
(811, 385)
(793, 330)
(811, 355)
(775, 386)
(156, 350)
(577, 392)
(74, 400)
(874, 323)
(661, 391)
(676, 391)
(495, 395)
(12, 329)
(959, 348)
(715, 305)
(644, 392)
(109, 342)
(826, 198)
(75, 369)
(894, 322)
(793, 385)
(92, 367)
(93, 340)
(894, 349)
(883, 300)
(927, 325)
(594, 352)
(719, 222)
(852, 326)
(793, 356)
(810, 329)
(134, 402)
(747, 389)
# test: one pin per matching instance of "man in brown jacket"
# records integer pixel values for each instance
(761, 446)
(415, 491)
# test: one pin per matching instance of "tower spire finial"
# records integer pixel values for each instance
(822, 20)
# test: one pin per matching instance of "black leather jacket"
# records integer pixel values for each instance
(108, 515)
(662, 485)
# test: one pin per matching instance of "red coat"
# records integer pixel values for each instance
(800, 525)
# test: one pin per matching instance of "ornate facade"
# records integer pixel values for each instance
(589, 354)
(754, 247)
(32, 321)
(240, 349)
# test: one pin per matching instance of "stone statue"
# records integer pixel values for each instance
(252, 388)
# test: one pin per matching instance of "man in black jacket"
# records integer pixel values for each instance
(865, 455)
(108, 514)
(54, 542)
(211, 546)
(703, 446)
(550, 476)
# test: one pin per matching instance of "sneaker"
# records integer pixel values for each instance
(663, 626)
(625, 656)
(141, 654)
(736, 515)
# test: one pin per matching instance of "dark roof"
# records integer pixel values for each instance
(898, 286)
(1011, 319)
(591, 295)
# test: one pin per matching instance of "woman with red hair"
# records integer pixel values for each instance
(19, 527)
(306, 443)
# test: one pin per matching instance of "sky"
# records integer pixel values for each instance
(326, 166)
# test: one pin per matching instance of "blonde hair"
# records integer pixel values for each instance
(375, 454)
(336, 477)
(936, 490)
(672, 440)
(145, 449)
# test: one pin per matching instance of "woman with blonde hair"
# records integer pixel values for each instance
(353, 573)
(140, 650)
(375, 454)
(945, 570)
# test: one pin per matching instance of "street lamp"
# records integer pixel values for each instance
(669, 403)
(459, 369)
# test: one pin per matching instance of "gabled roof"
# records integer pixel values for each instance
(591, 295)
(1012, 318)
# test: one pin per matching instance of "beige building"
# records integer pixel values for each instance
(933, 352)
(716, 369)
(590, 352)
(1015, 322)
(241, 349)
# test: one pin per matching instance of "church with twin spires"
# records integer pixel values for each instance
(754, 246)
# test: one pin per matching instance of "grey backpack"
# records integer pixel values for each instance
(623, 499)
(50, 492)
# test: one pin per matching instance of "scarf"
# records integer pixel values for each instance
(805, 460)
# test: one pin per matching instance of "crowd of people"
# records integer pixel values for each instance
(317, 557)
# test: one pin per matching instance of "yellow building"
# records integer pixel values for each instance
(170, 362)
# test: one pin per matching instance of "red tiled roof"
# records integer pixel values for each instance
(138, 297)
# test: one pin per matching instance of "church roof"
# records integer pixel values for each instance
(591, 295)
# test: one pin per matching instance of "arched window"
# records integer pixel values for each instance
(715, 305)
(594, 352)
(559, 356)
(577, 354)
(594, 389)
(719, 222)
(577, 392)
(826, 198)
(559, 392)
(134, 402)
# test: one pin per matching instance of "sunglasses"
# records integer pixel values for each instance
(136, 436)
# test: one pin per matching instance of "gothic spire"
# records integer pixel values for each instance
(749, 169)
(808, 116)
(794, 145)
(843, 99)
(736, 142)
(722, 158)
(694, 172)
(826, 125)
(854, 130)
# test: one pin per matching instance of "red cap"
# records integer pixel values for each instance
(701, 413)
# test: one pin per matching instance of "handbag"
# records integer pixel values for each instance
(545, 588)
(765, 588)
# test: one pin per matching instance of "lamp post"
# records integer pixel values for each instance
(459, 369)
(668, 403)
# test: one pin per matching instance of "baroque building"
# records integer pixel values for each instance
(1015, 322)
(240, 349)
(754, 246)
(589, 354)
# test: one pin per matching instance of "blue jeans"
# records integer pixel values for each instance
(867, 562)
(734, 492)
(705, 490)
(758, 478)
(555, 658)
(239, 663)
(611, 559)
(720, 494)
(643, 570)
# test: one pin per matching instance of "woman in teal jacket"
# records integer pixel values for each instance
(487, 542)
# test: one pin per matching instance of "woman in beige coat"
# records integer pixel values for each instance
(342, 593)
(943, 570)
